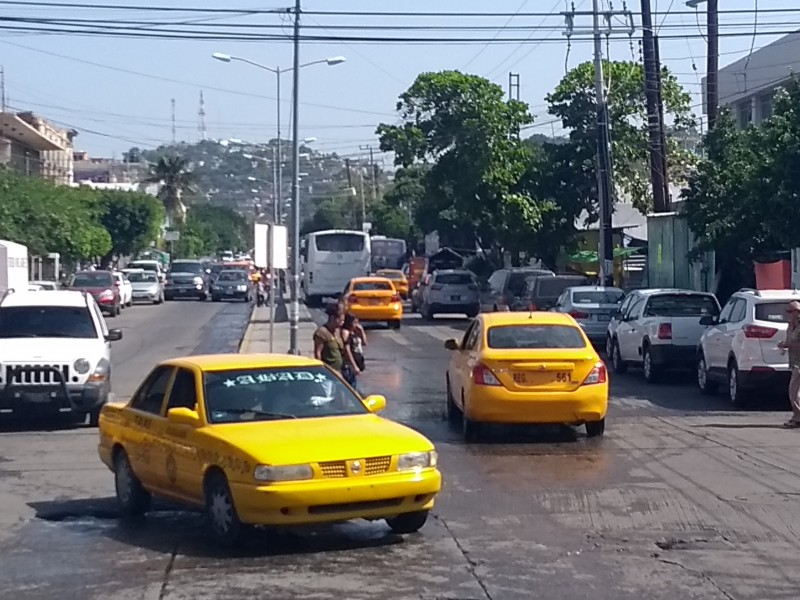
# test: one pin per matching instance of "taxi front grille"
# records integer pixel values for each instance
(337, 469)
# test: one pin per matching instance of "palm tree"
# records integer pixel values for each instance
(175, 179)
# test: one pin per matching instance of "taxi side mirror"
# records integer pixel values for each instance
(451, 345)
(183, 416)
(375, 403)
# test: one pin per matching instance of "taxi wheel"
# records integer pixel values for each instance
(595, 428)
(133, 499)
(452, 410)
(408, 522)
(225, 524)
(394, 324)
(470, 428)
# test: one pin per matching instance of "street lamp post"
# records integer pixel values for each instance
(294, 239)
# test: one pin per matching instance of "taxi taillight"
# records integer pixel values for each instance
(482, 375)
(396, 298)
(353, 300)
(598, 374)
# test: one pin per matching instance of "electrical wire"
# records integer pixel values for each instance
(499, 31)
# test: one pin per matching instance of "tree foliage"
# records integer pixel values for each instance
(467, 134)
(210, 229)
(573, 102)
(133, 220)
(175, 181)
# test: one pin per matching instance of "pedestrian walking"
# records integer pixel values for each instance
(328, 344)
(353, 337)
(792, 346)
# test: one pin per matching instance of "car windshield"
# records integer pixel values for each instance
(46, 321)
(772, 311)
(92, 280)
(551, 287)
(186, 267)
(372, 286)
(454, 279)
(277, 393)
(147, 277)
(144, 266)
(535, 337)
(598, 297)
(232, 276)
(681, 305)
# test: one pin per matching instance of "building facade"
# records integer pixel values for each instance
(35, 147)
(748, 85)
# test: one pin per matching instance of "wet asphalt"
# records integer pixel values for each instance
(684, 498)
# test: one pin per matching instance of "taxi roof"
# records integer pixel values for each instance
(527, 318)
(370, 279)
(389, 271)
(224, 362)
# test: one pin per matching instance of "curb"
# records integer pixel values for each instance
(244, 343)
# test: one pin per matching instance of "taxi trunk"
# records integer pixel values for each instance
(562, 370)
(376, 305)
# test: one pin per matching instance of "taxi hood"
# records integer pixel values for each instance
(299, 441)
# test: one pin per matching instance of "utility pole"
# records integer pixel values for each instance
(373, 171)
(361, 192)
(174, 138)
(3, 87)
(294, 297)
(605, 189)
(712, 62)
(655, 122)
(513, 86)
(201, 113)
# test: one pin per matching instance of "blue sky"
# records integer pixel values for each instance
(123, 98)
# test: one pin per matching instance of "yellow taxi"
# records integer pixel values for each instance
(398, 278)
(265, 439)
(374, 299)
(526, 367)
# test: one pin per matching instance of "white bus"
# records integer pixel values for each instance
(331, 259)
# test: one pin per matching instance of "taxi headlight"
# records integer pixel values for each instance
(81, 366)
(417, 460)
(283, 473)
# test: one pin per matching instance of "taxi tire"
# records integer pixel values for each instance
(595, 428)
(218, 494)
(135, 501)
(394, 324)
(469, 428)
(407, 522)
(451, 409)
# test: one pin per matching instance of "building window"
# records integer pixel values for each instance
(765, 107)
(745, 112)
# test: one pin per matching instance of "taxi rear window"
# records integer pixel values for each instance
(371, 286)
(535, 336)
(392, 275)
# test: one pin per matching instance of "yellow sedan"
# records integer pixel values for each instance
(265, 440)
(398, 278)
(374, 299)
(521, 367)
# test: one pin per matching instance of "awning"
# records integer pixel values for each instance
(14, 128)
(590, 256)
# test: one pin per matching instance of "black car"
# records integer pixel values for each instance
(232, 284)
(186, 279)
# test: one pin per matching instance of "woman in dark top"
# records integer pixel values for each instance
(328, 344)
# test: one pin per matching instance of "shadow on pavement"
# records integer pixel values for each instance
(168, 529)
(11, 423)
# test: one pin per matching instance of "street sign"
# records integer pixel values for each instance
(366, 227)
(261, 247)
(172, 236)
(278, 247)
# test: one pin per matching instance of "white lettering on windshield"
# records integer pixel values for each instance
(276, 376)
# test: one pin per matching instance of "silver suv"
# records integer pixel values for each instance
(450, 291)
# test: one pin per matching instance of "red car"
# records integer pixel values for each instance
(102, 286)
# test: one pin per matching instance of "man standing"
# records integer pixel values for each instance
(792, 345)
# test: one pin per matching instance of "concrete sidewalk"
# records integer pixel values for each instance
(256, 339)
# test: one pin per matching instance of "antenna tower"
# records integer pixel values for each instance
(174, 138)
(201, 126)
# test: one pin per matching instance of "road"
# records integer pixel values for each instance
(684, 498)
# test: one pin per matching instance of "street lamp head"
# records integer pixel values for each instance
(335, 60)
(251, 178)
(222, 57)
(694, 3)
(309, 140)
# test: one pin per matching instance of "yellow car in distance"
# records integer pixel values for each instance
(374, 299)
(265, 439)
(398, 278)
(526, 367)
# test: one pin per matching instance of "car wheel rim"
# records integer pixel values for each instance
(221, 511)
(701, 373)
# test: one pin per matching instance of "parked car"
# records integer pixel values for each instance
(542, 292)
(102, 286)
(47, 286)
(125, 288)
(232, 284)
(592, 307)
(148, 265)
(448, 292)
(740, 347)
(146, 287)
(506, 284)
(661, 329)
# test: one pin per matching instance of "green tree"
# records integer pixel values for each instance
(331, 213)
(210, 229)
(132, 219)
(464, 130)
(574, 103)
(176, 181)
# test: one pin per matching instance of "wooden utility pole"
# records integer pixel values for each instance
(712, 62)
(655, 121)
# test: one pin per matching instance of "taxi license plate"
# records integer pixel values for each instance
(373, 301)
(541, 378)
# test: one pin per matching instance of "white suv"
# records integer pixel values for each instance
(740, 349)
(54, 354)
